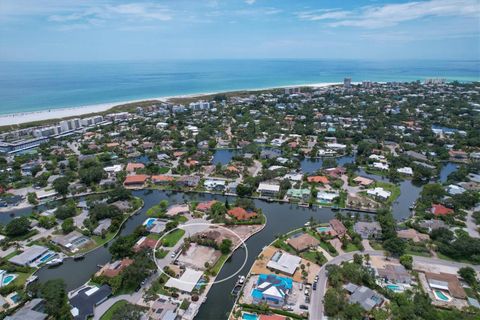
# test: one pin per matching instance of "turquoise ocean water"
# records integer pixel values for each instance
(34, 86)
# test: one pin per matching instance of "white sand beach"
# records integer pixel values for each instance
(24, 117)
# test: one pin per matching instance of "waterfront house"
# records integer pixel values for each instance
(268, 189)
(163, 309)
(72, 242)
(338, 229)
(327, 197)
(113, 269)
(379, 193)
(298, 194)
(32, 310)
(135, 181)
(302, 241)
(102, 225)
(84, 301)
(271, 289)
(162, 179)
(205, 206)
(144, 243)
(241, 214)
(187, 281)
(284, 262)
(30, 256)
(177, 209)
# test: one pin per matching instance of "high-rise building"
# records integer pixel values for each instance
(347, 83)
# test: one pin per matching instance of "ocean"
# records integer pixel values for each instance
(36, 86)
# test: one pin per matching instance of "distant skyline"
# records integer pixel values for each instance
(46, 30)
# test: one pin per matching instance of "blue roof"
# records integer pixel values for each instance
(282, 283)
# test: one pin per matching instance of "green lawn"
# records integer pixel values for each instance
(313, 255)
(161, 253)
(327, 247)
(108, 315)
(100, 242)
(11, 255)
(216, 268)
(351, 247)
(172, 238)
(393, 188)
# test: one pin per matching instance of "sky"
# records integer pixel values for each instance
(98, 30)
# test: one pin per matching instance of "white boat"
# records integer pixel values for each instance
(54, 262)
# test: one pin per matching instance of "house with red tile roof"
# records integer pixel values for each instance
(318, 179)
(271, 317)
(241, 214)
(205, 206)
(144, 243)
(135, 181)
(113, 269)
(440, 210)
(162, 179)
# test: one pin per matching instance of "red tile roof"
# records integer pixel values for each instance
(439, 210)
(241, 214)
(205, 206)
(135, 179)
(162, 178)
(271, 317)
(134, 166)
(112, 272)
(318, 179)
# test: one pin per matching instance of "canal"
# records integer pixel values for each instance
(281, 218)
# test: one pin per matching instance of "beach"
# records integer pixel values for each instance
(59, 113)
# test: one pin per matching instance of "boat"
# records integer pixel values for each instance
(79, 257)
(238, 286)
(307, 224)
(32, 279)
(54, 262)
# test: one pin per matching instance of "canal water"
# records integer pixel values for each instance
(281, 217)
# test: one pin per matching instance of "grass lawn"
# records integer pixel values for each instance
(154, 236)
(21, 278)
(100, 242)
(312, 256)
(11, 255)
(216, 268)
(393, 188)
(172, 238)
(108, 315)
(161, 253)
(351, 247)
(326, 247)
(280, 244)
(181, 219)
(376, 245)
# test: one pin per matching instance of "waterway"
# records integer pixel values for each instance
(281, 217)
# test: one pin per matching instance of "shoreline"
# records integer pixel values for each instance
(66, 112)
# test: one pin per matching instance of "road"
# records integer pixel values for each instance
(316, 302)
(471, 225)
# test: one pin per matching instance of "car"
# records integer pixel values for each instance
(316, 278)
(303, 307)
(314, 287)
(307, 292)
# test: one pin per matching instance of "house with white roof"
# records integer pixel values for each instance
(284, 262)
(268, 189)
(405, 170)
(379, 193)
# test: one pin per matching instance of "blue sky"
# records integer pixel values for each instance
(40, 30)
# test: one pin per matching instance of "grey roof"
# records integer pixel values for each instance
(32, 310)
(366, 297)
(473, 302)
(28, 255)
(85, 303)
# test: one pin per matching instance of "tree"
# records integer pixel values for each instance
(469, 275)
(61, 186)
(17, 227)
(128, 311)
(68, 225)
(406, 261)
(333, 302)
(225, 246)
(56, 300)
(66, 211)
(395, 246)
(32, 198)
(358, 259)
(47, 222)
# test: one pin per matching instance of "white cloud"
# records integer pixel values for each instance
(393, 14)
(250, 1)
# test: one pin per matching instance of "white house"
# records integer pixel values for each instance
(380, 165)
(379, 193)
(405, 170)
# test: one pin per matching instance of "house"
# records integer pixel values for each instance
(135, 181)
(163, 309)
(270, 154)
(113, 269)
(379, 193)
(30, 256)
(368, 229)
(302, 241)
(205, 206)
(72, 241)
(338, 229)
(458, 154)
(453, 189)
(32, 310)
(405, 170)
(298, 194)
(268, 189)
(132, 167)
(215, 184)
(415, 155)
(380, 166)
(432, 224)
(365, 297)
(162, 179)
(178, 209)
(187, 281)
(325, 197)
(335, 172)
(102, 225)
(394, 273)
(144, 243)
(412, 234)
(84, 301)
(271, 289)
(271, 317)
(284, 262)
(440, 210)
(241, 214)
(364, 182)
(188, 181)
(318, 179)
(446, 282)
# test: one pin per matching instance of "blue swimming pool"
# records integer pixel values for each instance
(394, 287)
(323, 229)
(249, 316)
(441, 296)
(16, 298)
(46, 257)
(7, 279)
(149, 222)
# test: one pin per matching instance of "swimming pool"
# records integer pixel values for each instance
(323, 229)
(440, 295)
(394, 287)
(249, 316)
(46, 257)
(8, 278)
(16, 297)
(149, 222)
